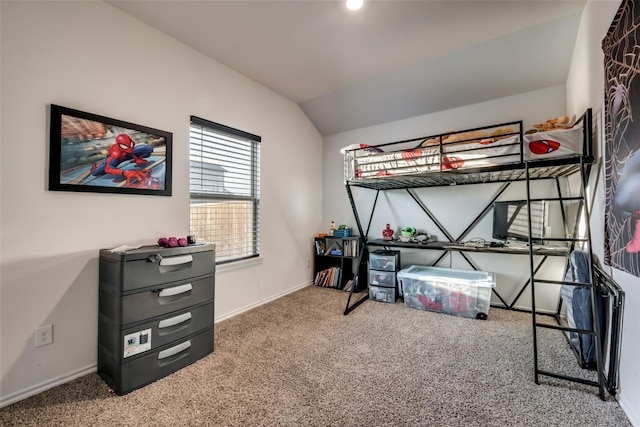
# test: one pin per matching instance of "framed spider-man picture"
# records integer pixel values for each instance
(100, 154)
(622, 139)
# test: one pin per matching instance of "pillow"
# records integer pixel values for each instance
(562, 122)
(480, 136)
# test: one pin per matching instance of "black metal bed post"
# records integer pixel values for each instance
(587, 133)
(356, 283)
(584, 177)
(354, 209)
(373, 209)
(356, 276)
(532, 278)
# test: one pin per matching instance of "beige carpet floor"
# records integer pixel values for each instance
(298, 361)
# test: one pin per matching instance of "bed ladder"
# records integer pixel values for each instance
(583, 208)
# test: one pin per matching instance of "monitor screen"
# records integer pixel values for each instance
(511, 221)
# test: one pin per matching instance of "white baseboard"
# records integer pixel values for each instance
(46, 385)
(634, 418)
(627, 407)
(262, 302)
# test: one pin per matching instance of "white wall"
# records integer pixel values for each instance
(92, 57)
(585, 86)
(532, 107)
(456, 207)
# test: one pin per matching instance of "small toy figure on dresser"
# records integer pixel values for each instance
(387, 233)
(332, 228)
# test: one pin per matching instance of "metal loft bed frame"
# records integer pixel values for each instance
(528, 171)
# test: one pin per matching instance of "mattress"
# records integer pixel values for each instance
(363, 161)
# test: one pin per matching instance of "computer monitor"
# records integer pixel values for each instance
(511, 221)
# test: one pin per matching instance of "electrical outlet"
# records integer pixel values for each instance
(308, 262)
(44, 335)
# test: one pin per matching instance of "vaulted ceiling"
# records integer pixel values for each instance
(389, 61)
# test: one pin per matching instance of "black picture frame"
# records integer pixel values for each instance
(92, 153)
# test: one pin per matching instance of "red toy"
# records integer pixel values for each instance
(387, 233)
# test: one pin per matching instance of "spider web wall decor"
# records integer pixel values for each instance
(621, 47)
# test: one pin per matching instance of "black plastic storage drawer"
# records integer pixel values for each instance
(156, 332)
(171, 297)
(152, 265)
(126, 375)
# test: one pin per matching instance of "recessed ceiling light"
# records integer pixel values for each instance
(354, 4)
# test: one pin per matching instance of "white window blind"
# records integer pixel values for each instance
(224, 182)
(519, 220)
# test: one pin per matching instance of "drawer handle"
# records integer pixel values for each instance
(174, 320)
(174, 350)
(176, 260)
(175, 290)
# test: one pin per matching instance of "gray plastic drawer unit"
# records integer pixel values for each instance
(127, 375)
(151, 265)
(383, 266)
(156, 301)
(156, 309)
(159, 330)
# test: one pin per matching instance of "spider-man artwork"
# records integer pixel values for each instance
(100, 154)
(626, 199)
(125, 149)
(622, 140)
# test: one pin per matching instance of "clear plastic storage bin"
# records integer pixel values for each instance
(384, 260)
(464, 293)
(380, 293)
(382, 278)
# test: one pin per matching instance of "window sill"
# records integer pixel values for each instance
(223, 268)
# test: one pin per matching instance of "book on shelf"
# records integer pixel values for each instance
(352, 248)
(349, 248)
(351, 283)
(329, 278)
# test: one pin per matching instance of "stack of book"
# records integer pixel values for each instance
(351, 248)
(329, 278)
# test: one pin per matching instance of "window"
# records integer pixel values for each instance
(224, 187)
